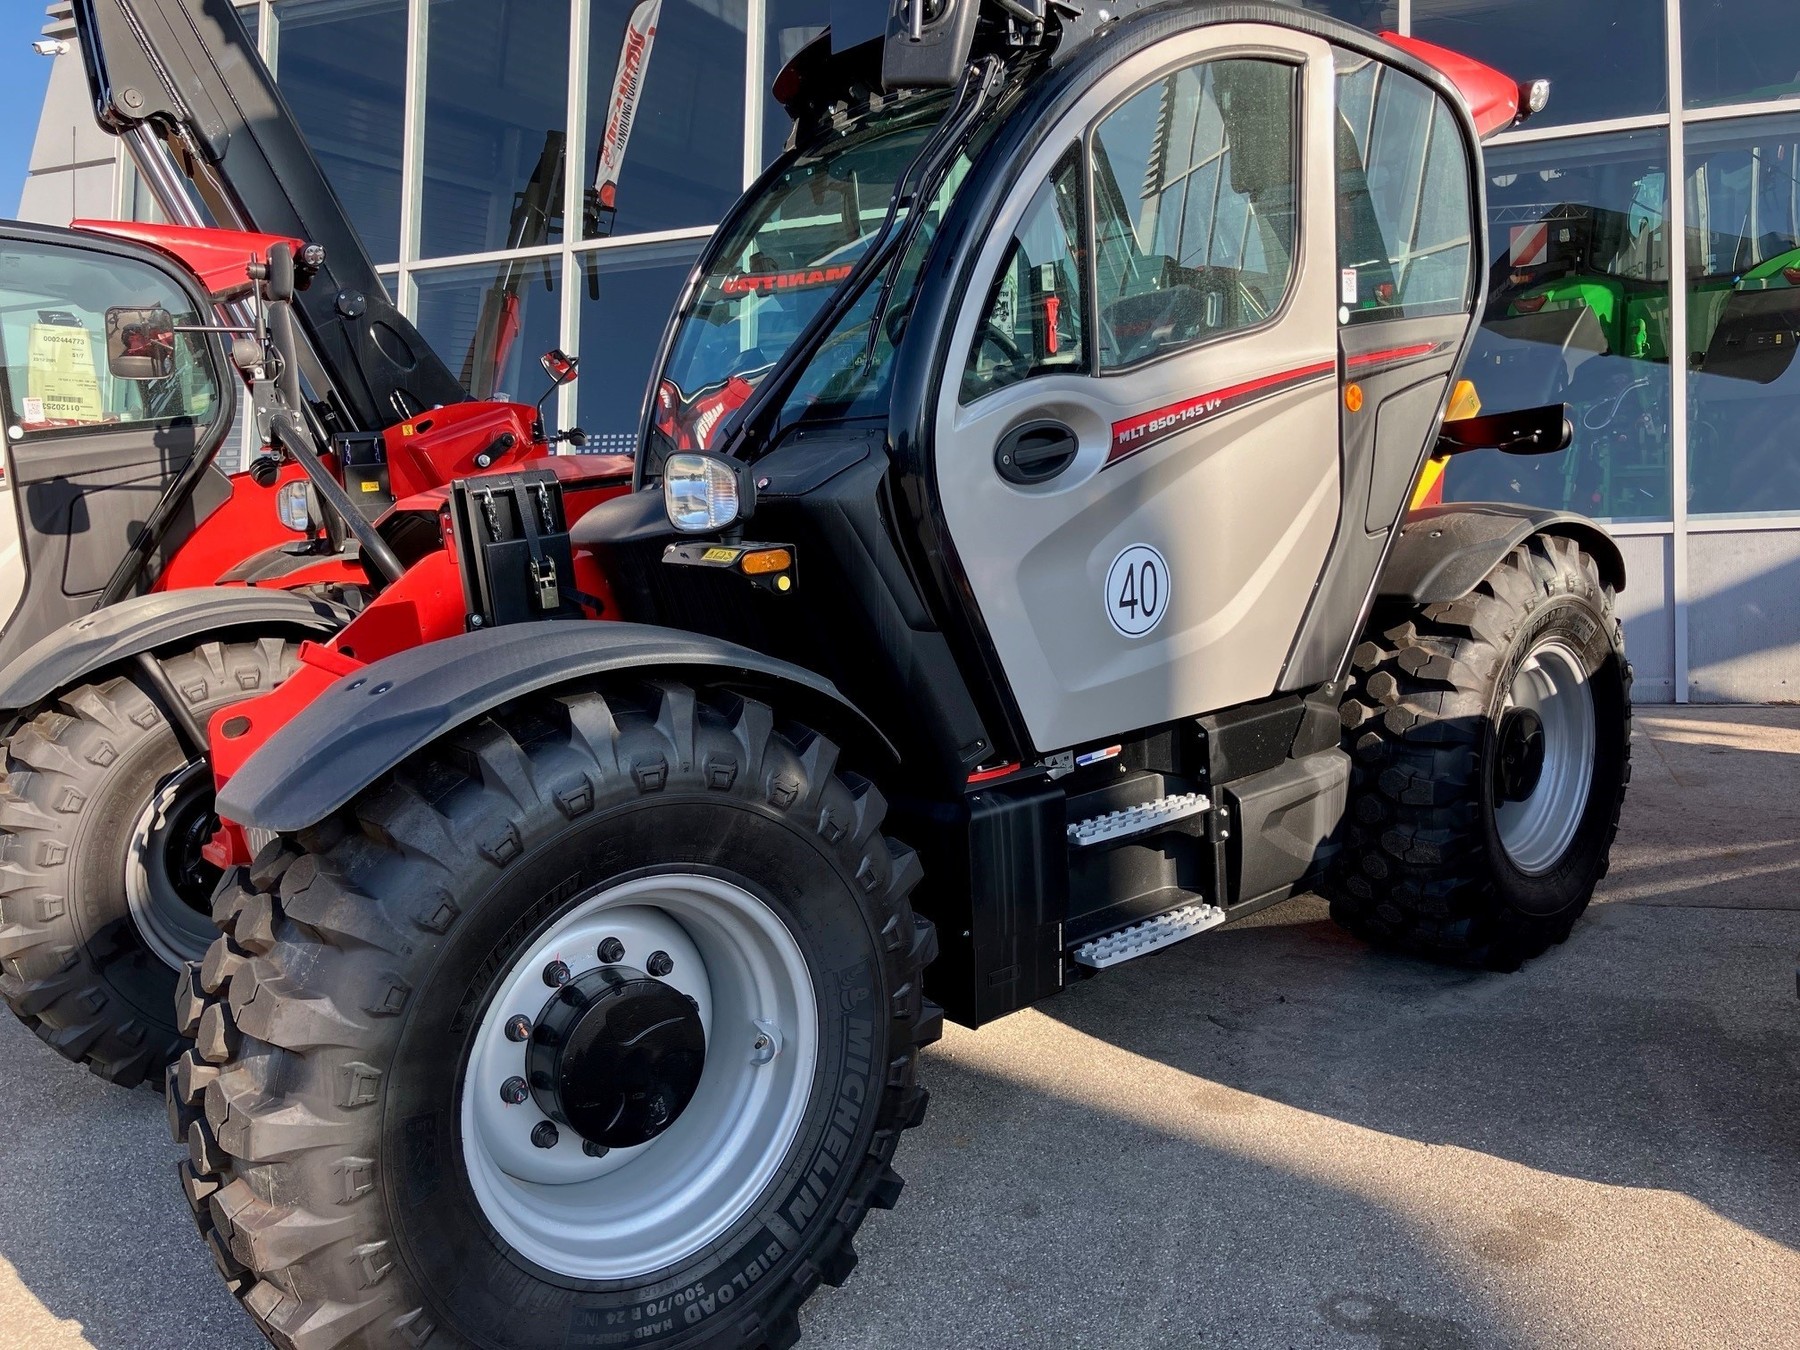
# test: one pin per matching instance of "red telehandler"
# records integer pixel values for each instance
(151, 588)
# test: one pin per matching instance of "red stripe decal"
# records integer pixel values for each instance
(988, 775)
(1393, 355)
(1142, 432)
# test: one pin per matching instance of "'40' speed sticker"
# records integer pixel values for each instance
(1137, 590)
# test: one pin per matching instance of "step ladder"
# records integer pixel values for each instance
(1140, 939)
(1136, 820)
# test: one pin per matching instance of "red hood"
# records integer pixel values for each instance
(220, 258)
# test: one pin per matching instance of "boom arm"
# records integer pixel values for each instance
(181, 82)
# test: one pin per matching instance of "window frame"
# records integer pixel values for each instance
(1299, 63)
(215, 364)
(1077, 151)
(1476, 268)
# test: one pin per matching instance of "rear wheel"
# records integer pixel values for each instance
(1491, 739)
(595, 1023)
(104, 893)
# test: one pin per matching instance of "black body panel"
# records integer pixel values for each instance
(148, 622)
(368, 722)
(855, 618)
(1444, 551)
(256, 172)
(999, 888)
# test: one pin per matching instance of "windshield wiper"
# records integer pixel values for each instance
(920, 177)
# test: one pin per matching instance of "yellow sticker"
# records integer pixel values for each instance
(371, 485)
(406, 429)
(720, 555)
(61, 373)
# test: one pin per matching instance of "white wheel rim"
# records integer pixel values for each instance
(1537, 829)
(638, 1210)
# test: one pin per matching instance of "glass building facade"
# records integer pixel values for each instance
(1644, 244)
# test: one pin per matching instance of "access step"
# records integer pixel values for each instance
(1140, 939)
(1136, 820)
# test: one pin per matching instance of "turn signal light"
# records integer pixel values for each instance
(764, 561)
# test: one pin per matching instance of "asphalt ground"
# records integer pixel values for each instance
(1268, 1136)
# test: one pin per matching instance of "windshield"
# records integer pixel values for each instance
(778, 265)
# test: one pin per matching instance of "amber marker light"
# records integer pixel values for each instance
(1353, 397)
(765, 560)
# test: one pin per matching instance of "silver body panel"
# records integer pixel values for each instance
(1242, 507)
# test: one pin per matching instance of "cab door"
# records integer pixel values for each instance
(1137, 446)
(89, 455)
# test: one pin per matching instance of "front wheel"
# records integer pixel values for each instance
(1491, 740)
(595, 1024)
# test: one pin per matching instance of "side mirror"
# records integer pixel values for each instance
(559, 366)
(140, 343)
(927, 43)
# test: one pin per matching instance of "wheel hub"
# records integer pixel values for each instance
(616, 1056)
(1520, 759)
(168, 880)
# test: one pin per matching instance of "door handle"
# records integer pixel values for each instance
(1035, 452)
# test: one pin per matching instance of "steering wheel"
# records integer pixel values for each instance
(1001, 341)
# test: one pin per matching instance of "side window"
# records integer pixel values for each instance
(1033, 321)
(1403, 196)
(1195, 207)
(53, 303)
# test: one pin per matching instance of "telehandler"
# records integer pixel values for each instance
(1028, 476)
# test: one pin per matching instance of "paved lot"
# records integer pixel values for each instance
(1269, 1136)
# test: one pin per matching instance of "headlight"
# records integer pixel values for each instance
(293, 508)
(700, 493)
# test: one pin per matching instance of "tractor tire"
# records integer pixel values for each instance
(102, 893)
(368, 1165)
(1491, 747)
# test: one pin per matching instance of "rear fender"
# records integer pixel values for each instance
(146, 623)
(1443, 552)
(370, 719)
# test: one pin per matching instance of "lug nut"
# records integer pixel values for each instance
(518, 1028)
(514, 1090)
(543, 1134)
(612, 951)
(593, 1150)
(659, 964)
(556, 974)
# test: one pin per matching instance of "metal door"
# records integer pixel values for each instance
(1137, 443)
(89, 455)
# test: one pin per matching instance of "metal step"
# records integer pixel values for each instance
(1140, 939)
(1135, 820)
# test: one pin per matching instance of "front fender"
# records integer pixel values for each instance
(1443, 552)
(147, 622)
(367, 722)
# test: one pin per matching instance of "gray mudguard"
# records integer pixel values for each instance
(147, 622)
(1443, 552)
(368, 722)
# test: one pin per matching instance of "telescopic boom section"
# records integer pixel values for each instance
(181, 82)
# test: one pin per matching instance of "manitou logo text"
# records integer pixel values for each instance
(767, 283)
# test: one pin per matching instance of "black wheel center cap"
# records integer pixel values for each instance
(1519, 758)
(616, 1056)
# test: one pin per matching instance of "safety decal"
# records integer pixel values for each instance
(1137, 591)
(1147, 429)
